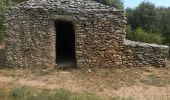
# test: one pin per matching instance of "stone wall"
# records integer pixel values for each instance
(99, 32)
(30, 42)
(100, 40)
(137, 54)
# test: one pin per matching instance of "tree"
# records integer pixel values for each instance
(163, 22)
(144, 16)
(153, 22)
(129, 12)
(114, 3)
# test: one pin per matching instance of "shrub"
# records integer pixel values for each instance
(3, 8)
(4, 5)
(143, 36)
(129, 33)
(1, 29)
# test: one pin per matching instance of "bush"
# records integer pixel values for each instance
(142, 36)
(1, 29)
(4, 5)
(129, 33)
(3, 8)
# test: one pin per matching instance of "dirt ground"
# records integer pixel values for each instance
(145, 83)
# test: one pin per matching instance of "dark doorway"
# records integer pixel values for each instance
(65, 44)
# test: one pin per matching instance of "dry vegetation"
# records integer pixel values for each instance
(146, 83)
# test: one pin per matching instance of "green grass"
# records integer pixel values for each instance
(153, 81)
(25, 93)
(122, 98)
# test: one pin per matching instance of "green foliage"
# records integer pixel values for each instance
(3, 8)
(144, 16)
(1, 29)
(163, 23)
(148, 23)
(114, 3)
(142, 36)
(4, 5)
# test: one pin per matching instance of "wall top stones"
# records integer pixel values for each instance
(141, 44)
(79, 6)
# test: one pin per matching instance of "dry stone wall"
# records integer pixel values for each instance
(100, 41)
(99, 32)
(137, 54)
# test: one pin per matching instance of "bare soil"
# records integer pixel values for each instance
(145, 83)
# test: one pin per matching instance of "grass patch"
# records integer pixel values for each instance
(122, 98)
(25, 93)
(84, 97)
(152, 80)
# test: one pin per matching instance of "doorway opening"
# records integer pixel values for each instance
(65, 44)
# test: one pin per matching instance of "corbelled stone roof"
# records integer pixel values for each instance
(71, 5)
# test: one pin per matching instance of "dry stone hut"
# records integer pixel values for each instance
(64, 33)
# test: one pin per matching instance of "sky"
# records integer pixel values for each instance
(134, 3)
